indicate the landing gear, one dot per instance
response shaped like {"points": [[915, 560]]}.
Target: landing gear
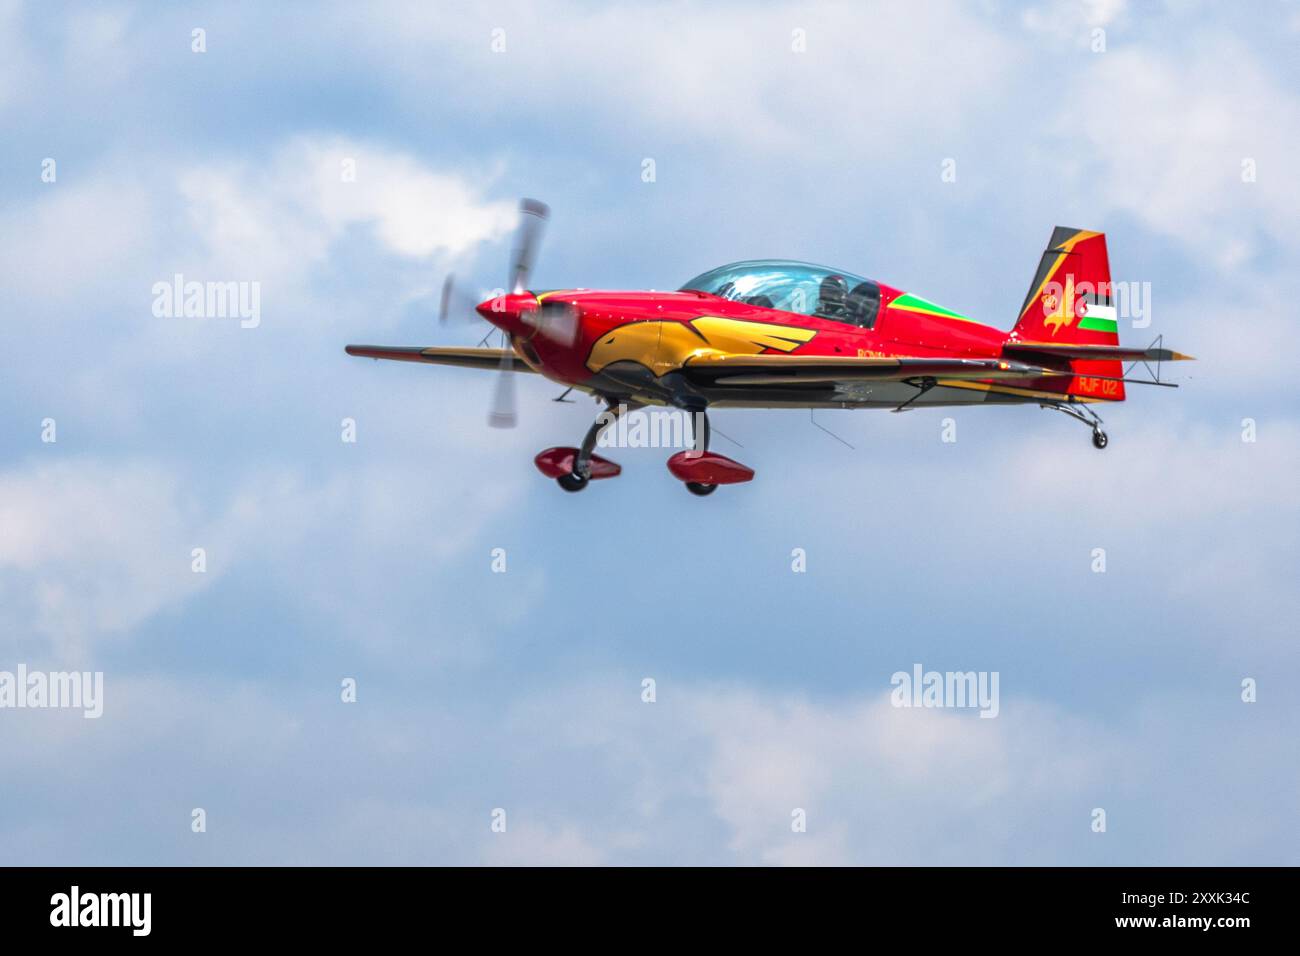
{"points": [[586, 464], [573, 468], [700, 444], [700, 469], [572, 481], [701, 433], [1086, 415]]}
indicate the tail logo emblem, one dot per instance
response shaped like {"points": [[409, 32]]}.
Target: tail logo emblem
{"points": [[1061, 311]]}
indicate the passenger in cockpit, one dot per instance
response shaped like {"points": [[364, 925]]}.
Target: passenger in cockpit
{"points": [[831, 298], [864, 303]]}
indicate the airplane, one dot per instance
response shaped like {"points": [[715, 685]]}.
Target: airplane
{"points": [[784, 334]]}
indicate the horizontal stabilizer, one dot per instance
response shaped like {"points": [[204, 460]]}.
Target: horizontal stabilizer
{"points": [[1063, 350]]}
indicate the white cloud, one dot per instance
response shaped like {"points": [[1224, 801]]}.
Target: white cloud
{"points": [[589, 775], [416, 212], [862, 769], [283, 216], [538, 845], [730, 80], [91, 549], [78, 235], [15, 68], [93, 40], [1166, 473], [273, 220], [1193, 518], [1163, 138], [1073, 20]]}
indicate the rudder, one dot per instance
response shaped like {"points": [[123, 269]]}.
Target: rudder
{"points": [[1071, 300]]}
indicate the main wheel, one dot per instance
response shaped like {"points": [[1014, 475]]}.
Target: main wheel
{"points": [[1099, 439], [572, 481], [700, 488]]}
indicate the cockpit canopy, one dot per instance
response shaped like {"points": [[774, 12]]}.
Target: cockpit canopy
{"points": [[794, 287]]}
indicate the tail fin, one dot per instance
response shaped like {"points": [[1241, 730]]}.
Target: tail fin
{"points": [[1071, 302]]}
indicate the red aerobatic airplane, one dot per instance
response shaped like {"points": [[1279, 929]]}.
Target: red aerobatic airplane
{"points": [[782, 334]]}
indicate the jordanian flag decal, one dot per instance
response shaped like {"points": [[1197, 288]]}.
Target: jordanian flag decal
{"points": [[1097, 318]]}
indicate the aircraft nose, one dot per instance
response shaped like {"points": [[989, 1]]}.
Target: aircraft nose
{"points": [[506, 310]]}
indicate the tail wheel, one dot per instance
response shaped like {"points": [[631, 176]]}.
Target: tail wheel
{"points": [[1099, 438], [699, 488], [572, 482]]}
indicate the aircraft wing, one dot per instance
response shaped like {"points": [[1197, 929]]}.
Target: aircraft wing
{"points": [[463, 357], [772, 369]]}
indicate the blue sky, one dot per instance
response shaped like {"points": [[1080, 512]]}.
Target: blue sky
{"points": [[522, 691]]}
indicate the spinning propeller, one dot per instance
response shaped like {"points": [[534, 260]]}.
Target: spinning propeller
{"points": [[556, 321]]}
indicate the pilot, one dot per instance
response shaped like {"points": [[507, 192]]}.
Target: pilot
{"points": [[863, 304], [830, 299]]}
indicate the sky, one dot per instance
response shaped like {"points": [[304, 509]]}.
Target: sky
{"points": [[501, 717]]}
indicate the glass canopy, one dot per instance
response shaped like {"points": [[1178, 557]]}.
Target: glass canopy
{"points": [[799, 287]]}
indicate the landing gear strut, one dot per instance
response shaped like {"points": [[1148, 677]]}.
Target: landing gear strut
{"points": [[700, 469], [700, 444], [573, 468], [1086, 415], [582, 462]]}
